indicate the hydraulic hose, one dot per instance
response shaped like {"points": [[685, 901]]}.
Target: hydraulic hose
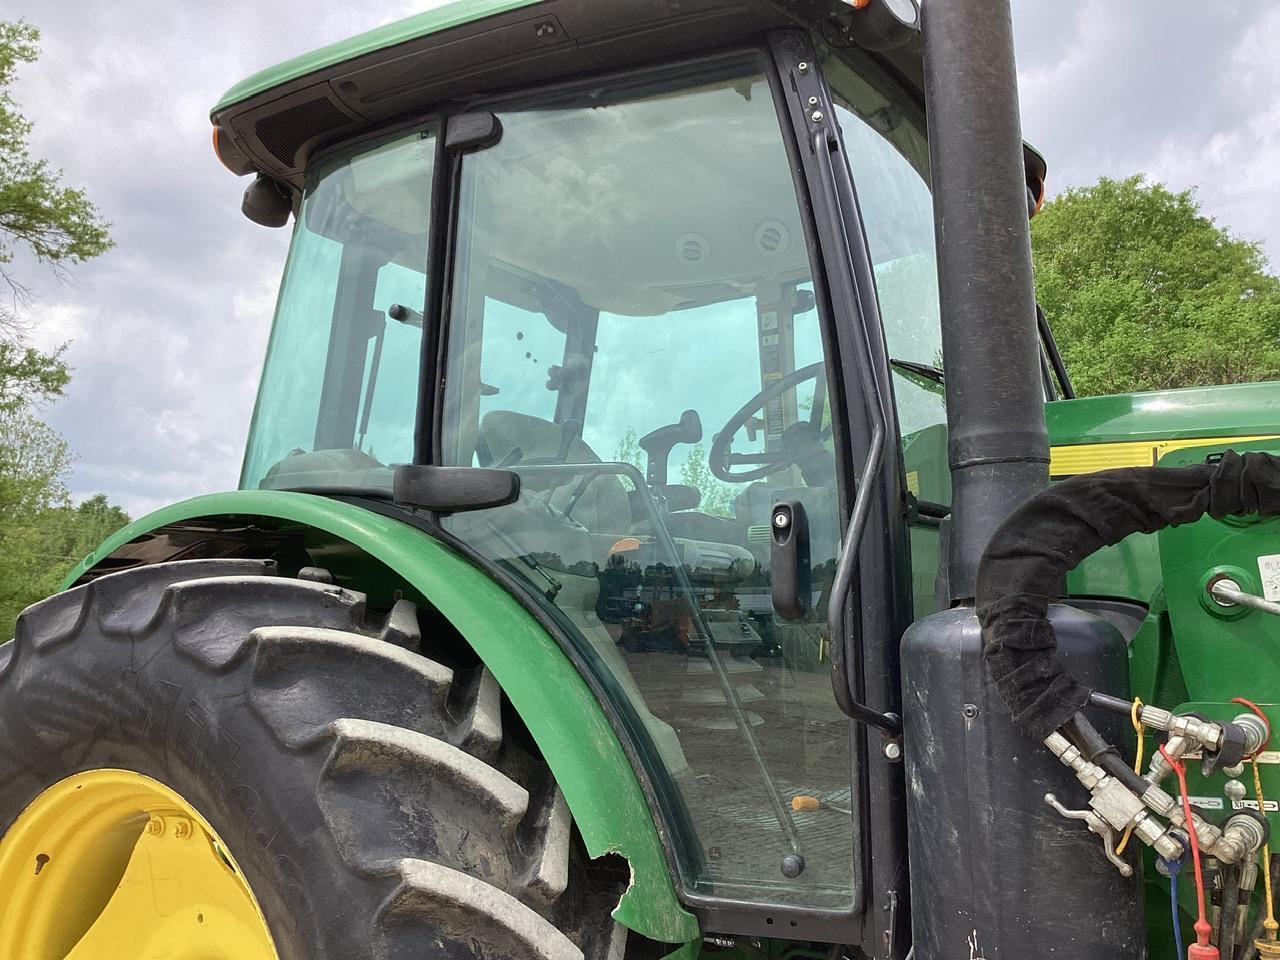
{"points": [[1230, 910], [1051, 533]]}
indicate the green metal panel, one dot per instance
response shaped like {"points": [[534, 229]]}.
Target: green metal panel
{"points": [[411, 28], [1224, 653], [1243, 409], [550, 695], [1130, 570]]}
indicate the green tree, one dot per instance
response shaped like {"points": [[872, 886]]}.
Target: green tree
{"points": [[1146, 292], [717, 497], [41, 533], [33, 459], [54, 223]]}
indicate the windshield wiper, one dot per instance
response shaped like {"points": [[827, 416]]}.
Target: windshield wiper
{"points": [[930, 373]]}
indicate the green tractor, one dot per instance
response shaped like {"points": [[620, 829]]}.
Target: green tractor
{"points": [[615, 573]]}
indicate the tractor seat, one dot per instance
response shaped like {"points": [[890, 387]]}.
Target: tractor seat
{"points": [[601, 504]]}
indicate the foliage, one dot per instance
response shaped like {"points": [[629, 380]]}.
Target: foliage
{"points": [[717, 497], [628, 451], [29, 376], [1145, 292], [42, 535], [55, 224]]}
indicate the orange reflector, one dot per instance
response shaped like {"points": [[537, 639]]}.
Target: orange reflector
{"points": [[228, 154], [803, 804]]}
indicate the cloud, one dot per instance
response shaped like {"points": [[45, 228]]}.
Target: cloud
{"points": [[167, 331], [1165, 89]]}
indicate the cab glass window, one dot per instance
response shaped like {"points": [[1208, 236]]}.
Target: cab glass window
{"points": [[339, 388], [633, 331]]}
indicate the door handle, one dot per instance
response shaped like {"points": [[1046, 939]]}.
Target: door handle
{"points": [[789, 559]]}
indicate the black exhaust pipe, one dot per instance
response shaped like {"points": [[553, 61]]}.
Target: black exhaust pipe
{"points": [[995, 872], [998, 447]]}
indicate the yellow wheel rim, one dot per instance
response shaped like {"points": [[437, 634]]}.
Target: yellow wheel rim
{"points": [[109, 864]]}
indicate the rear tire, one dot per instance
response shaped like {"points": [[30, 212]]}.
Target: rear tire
{"points": [[378, 801]]}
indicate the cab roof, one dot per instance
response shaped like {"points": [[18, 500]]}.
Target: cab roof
{"points": [[419, 25], [273, 121]]}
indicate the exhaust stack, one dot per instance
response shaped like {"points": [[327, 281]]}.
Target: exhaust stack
{"points": [[998, 448], [995, 871]]}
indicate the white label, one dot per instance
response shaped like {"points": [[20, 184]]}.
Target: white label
{"points": [[1272, 806], [769, 320], [1269, 756], [1269, 570]]}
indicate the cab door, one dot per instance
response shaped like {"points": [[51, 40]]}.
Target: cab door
{"points": [[640, 325]]}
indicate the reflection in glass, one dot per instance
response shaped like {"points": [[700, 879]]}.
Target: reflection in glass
{"points": [[632, 282]]}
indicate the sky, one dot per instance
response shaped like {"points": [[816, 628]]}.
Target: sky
{"points": [[166, 332]]}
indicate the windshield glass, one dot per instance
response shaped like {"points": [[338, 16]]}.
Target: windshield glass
{"points": [[634, 332], [339, 387]]}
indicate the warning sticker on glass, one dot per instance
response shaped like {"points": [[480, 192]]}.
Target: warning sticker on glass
{"points": [[1269, 570]]}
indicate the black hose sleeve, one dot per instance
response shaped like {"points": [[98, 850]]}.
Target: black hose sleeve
{"points": [[1249, 949], [1229, 913], [1053, 531]]}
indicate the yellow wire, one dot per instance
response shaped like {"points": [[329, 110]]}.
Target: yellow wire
{"points": [[1137, 763], [1269, 924]]}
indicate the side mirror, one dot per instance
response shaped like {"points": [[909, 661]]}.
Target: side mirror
{"points": [[267, 202]]}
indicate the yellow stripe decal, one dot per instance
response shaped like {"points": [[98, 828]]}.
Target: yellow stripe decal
{"points": [[1067, 461]]}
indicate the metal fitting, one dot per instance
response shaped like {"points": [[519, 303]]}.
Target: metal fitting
{"points": [[1227, 593], [1255, 732], [1116, 804], [1089, 774], [1242, 837], [1204, 732], [1159, 838]]}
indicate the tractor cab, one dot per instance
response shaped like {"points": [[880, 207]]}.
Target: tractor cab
{"points": [[633, 322], [613, 574]]}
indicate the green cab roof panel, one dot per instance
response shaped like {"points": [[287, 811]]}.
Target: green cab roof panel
{"points": [[275, 121], [453, 14]]}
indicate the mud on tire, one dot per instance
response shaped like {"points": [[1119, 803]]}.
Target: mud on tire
{"points": [[380, 802]]}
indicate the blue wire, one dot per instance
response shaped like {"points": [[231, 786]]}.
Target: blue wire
{"points": [[1173, 904]]}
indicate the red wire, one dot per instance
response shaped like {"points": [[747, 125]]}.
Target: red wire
{"points": [[1202, 927], [1261, 716]]}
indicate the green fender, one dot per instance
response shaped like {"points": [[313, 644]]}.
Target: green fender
{"points": [[552, 698]]}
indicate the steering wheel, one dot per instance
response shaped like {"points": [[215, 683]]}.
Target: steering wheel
{"points": [[721, 461]]}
